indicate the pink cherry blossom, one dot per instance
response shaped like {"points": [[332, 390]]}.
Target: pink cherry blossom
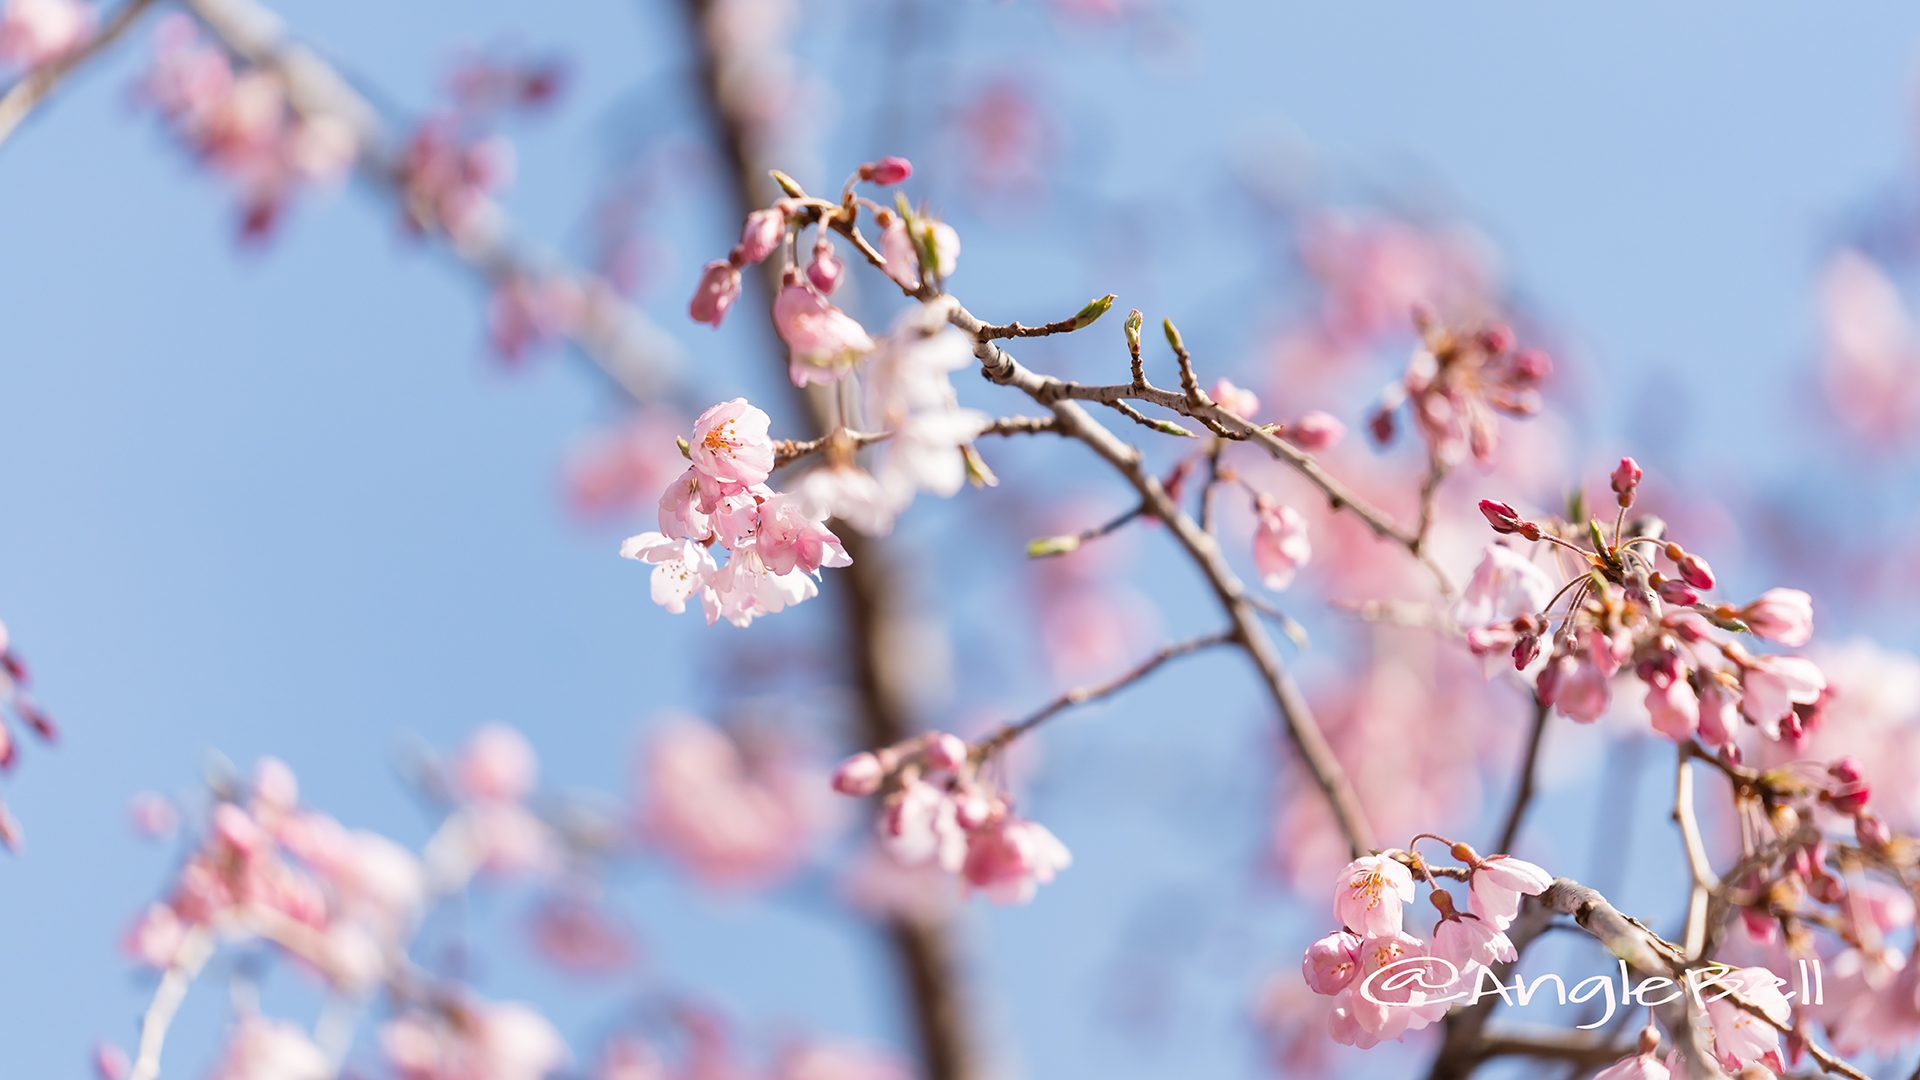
{"points": [[1772, 685], [33, 32], [681, 568], [1370, 894], [1782, 615], [1636, 1067], [1316, 431], [920, 824], [1008, 859], [497, 765], [789, 538], [1240, 402], [1331, 962], [262, 1049], [1505, 584], [730, 443], [1498, 882], [1465, 940], [1675, 709], [730, 814], [860, 774], [1280, 543], [823, 342], [1739, 1037]]}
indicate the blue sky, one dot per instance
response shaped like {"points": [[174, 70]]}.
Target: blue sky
{"points": [[282, 502]]}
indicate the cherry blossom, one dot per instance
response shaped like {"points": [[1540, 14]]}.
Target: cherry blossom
{"points": [[34, 32], [1280, 543], [1371, 893]]}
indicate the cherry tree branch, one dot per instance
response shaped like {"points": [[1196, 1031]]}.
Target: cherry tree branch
{"points": [[615, 336], [1529, 770], [788, 451], [925, 952], [26, 93], [995, 742], [191, 955]]}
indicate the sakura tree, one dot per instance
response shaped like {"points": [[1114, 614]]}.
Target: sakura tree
{"points": [[949, 611]]}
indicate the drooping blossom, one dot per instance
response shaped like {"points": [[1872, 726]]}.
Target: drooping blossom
{"points": [[1739, 1037], [1280, 543], [262, 1049], [1645, 1065], [1497, 883], [1370, 895], [730, 814], [823, 342], [1784, 616], [1009, 858]]}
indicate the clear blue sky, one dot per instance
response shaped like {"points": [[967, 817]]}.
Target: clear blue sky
{"points": [[282, 502]]}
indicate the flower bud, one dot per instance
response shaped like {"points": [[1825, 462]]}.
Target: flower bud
{"points": [[1870, 830], [943, 751], [1504, 519], [825, 271], [888, 170], [1693, 569], [859, 775], [719, 287], [1497, 339], [1316, 431], [1626, 478], [761, 235], [1531, 366], [1673, 590]]}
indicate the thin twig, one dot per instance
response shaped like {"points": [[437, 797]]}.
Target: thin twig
{"points": [[188, 959], [1701, 879], [997, 741]]}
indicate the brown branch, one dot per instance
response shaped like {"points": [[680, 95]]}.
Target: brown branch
{"points": [[787, 451], [1578, 1048], [31, 89], [998, 741], [872, 625], [1296, 717], [1529, 769]]}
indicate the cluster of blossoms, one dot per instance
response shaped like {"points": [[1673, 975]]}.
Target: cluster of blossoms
{"points": [[1456, 383], [776, 544], [14, 698], [1635, 604], [238, 122], [345, 903], [36, 32], [937, 812], [1370, 899]]}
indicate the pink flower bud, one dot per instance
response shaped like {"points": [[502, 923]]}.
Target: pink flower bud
{"points": [[888, 170], [1504, 519], [1870, 830], [1782, 615], [1626, 478], [1240, 402], [826, 269], [1497, 339], [1674, 591], [719, 287], [1316, 431], [944, 751], [1526, 651], [859, 775], [1531, 366], [1693, 569], [1846, 770], [761, 235], [110, 1062]]}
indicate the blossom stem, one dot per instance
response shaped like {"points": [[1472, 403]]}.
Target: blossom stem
{"points": [[998, 741]]}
